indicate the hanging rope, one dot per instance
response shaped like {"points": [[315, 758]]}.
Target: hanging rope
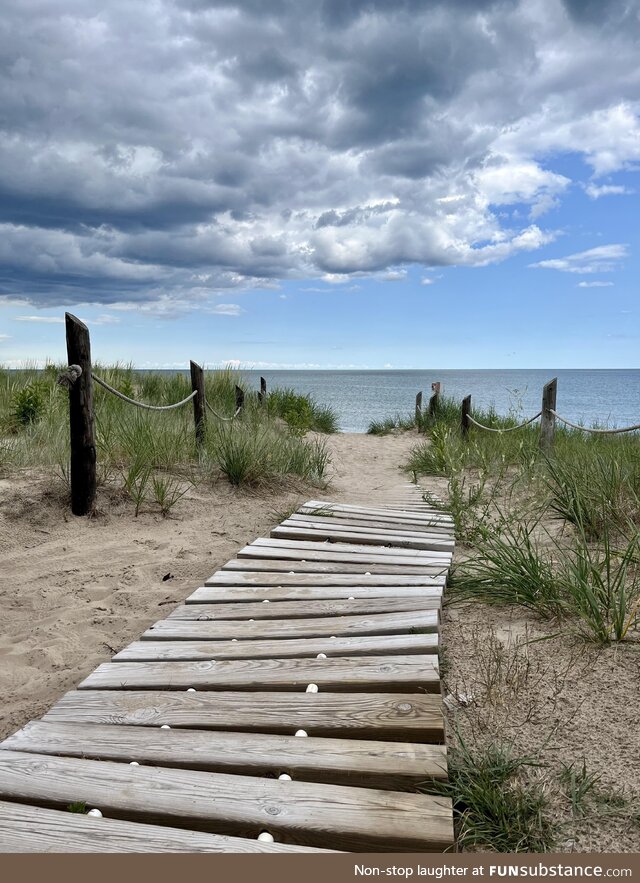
{"points": [[508, 429], [220, 417], [599, 431], [125, 398]]}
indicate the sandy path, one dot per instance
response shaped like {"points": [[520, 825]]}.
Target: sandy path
{"points": [[73, 591]]}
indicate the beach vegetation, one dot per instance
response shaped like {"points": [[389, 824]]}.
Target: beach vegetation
{"points": [[496, 804], [152, 456]]}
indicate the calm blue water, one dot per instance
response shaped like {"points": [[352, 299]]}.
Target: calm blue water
{"points": [[606, 396]]}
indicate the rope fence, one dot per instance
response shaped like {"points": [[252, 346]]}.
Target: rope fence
{"points": [[144, 405], [220, 417], [78, 378], [598, 431], [506, 429], [548, 416]]}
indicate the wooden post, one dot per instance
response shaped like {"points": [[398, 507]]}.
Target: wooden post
{"points": [[548, 420], [199, 413], [466, 410], [418, 408], [262, 395], [433, 401], [81, 419], [239, 398]]}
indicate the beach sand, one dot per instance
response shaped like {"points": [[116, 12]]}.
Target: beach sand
{"points": [[74, 591]]}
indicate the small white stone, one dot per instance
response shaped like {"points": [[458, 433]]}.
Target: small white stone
{"points": [[266, 837], [301, 733], [266, 601], [303, 561], [312, 688], [192, 689], [165, 727], [321, 656], [134, 763], [95, 813], [351, 598], [252, 620], [284, 777], [332, 638], [233, 640], [292, 573], [367, 573]]}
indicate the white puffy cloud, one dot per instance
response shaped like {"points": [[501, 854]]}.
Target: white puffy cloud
{"points": [[595, 284], [595, 191], [602, 259], [155, 155]]}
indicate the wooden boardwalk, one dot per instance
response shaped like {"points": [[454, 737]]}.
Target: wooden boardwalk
{"points": [[291, 704]]}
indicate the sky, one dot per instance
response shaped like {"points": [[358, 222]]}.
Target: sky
{"points": [[321, 183]]}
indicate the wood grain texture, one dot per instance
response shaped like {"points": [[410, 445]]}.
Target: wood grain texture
{"points": [[277, 588], [393, 555], [402, 674], [378, 645], [294, 567], [267, 609], [303, 552], [307, 813], [360, 536], [34, 829], [409, 718], [390, 765], [345, 626], [350, 521], [428, 513]]}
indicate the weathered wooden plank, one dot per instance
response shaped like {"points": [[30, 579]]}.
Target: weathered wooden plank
{"points": [[439, 534], [255, 582], [303, 552], [338, 519], [375, 624], [402, 674], [267, 609], [388, 555], [34, 829], [361, 537], [433, 514], [301, 812], [391, 765], [373, 521], [407, 717], [377, 645], [300, 568]]}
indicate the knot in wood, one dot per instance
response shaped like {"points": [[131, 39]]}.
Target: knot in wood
{"points": [[273, 810], [404, 707]]}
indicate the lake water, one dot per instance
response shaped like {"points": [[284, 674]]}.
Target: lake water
{"points": [[609, 396]]}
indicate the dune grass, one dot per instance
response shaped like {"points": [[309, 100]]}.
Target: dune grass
{"points": [[152, 456], [496, 806], [503, 491]]}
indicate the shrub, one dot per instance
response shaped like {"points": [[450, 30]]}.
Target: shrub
{"points": [[301, 412], [28, 404]]}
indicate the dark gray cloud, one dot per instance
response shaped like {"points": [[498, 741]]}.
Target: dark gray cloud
{"points": [[164, 152]]}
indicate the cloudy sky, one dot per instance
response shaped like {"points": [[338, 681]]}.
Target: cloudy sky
{"points": [[322, 183]]}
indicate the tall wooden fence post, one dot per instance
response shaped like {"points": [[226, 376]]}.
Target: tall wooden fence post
{"points": [[81, 419], [262, 395], [199, 413], [239, 398], [465, 423], [418, 409], [548, 420], [434, 400]]}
